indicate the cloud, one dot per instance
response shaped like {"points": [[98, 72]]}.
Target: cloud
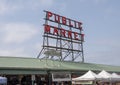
{"points": [[18, 39], [10, 7], [19, 52], [3, 8], [18, 32], [33, 4], [6, 8]]}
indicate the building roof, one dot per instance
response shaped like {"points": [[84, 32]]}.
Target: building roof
{"points": [[37, 66]]}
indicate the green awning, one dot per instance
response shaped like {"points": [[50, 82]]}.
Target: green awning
{"points": [[17, 65], [21, 71]]}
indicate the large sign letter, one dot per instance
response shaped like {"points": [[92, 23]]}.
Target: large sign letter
{"points": [[47, 29], [49, 14]]}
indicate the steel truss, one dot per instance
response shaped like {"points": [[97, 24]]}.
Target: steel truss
{"points": [[61, 48]]}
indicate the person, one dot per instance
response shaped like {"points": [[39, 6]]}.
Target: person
{"points": [[62, 83], [97, 83]]}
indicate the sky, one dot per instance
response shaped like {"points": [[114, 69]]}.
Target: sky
{"points": [[21, 27]]}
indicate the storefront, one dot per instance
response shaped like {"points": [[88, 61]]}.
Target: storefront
{"points": [[61, 78], [39, 79], [33, 71]]}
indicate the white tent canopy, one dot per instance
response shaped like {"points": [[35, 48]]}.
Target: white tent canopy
{"points": [[105, 75], [91, 77], [87, 76], [3, 80], [115, 77], [109, 77]]}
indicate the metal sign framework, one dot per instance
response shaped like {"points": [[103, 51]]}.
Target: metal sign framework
{"points": [[63, 40]]}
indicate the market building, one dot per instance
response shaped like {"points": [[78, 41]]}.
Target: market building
{"points": [[28, 71]]}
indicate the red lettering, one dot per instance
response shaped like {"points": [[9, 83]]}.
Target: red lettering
{"points": [[75, 35], [55, 32], [57, 18], [82, 37], [75, 24], [47, 29], [64, 20], [79, 25], [80, 28], [70, 23], [69, 34], [49, 14], [63, 32]]}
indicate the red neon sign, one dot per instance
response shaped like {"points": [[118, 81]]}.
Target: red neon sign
{"points": [[61, 31], [63, 20]]}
